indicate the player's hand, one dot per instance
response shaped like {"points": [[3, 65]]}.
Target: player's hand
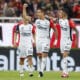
{"points": [[15, 46], [55, 43], [25, 5]]}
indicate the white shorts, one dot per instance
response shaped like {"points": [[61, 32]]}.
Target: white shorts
{"points": [[25, 50], [42, 46], [65, 45]]}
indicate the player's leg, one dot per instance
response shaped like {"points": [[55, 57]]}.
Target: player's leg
{"points": [[39, 54], [22, 57], [43, 64], [39, 58], [65, 49], [64, 64], [45, 50], [29, 54], [21, 71], [30, 65]]}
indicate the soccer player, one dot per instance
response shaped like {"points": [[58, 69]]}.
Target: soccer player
{"points": [[66, 26], [42, 38], [42, 33], [26, 31]]}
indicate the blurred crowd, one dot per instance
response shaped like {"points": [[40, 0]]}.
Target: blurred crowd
{"points": [[13, 8]]}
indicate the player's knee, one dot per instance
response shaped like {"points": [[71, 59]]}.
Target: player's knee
{"points": [[65, 54], [29, 58], [39, 55], [45, 55], [21, 61]]}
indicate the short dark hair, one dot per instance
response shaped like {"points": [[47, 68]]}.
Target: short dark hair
{"points": [[64, 10], [42, 9]]}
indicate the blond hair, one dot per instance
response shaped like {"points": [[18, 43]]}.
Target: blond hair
{"points": [[65, 15]]}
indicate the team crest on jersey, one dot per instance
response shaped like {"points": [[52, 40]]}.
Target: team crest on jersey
{"points": [[38, 22]]}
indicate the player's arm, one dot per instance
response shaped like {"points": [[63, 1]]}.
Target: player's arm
{"points": [[16, 32], [73, 26], [24, 10], [34, 35], [76, 36], [15, 37], [25, 15], [53, 26]]}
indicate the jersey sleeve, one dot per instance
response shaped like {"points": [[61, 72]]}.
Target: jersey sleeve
{"points": [[14, 28], [33, 29], [36, 22], [72, 23], [17, 28], [51, 24]]}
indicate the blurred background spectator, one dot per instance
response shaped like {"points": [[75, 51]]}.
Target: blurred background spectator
{"points": [[11, 8], [76, 9], [8, 9]]}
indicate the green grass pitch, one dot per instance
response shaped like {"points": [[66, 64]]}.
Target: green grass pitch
{"points": [[14, 75]]}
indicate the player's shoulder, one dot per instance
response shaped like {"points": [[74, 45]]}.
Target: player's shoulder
{"points": [[29, 24], [20, 22], [47, 20], [21, 25], [60, 20], [66, 20], [37, 20]]}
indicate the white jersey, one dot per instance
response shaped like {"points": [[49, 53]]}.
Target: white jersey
{"points": [[42, 28], [42, 35], [65, 29], [25, 44], [25, 33], [65, 42]]}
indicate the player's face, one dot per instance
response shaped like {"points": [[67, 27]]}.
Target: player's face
{"points": [[39, 13], [27, 19], [60, 13]]}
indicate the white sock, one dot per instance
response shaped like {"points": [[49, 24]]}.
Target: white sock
{"points": [[64, 65], [31, 69], [43, 64], [39, 64], [21, 70]]}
